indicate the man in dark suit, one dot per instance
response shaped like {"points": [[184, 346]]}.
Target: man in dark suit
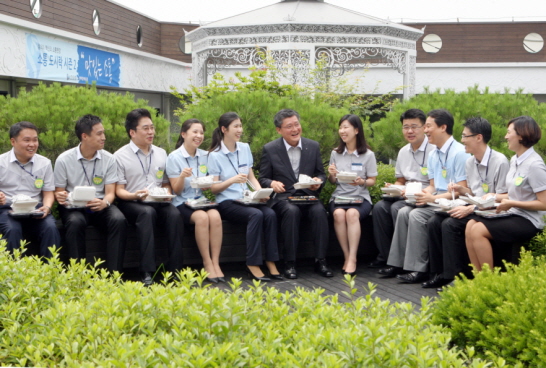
{"points": [[283, 160]]}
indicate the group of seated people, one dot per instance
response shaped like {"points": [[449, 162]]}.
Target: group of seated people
{"points": [[414, 242], [419, 244]]}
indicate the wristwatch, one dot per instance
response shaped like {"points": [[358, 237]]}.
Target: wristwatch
{"points": [[107, 203]]}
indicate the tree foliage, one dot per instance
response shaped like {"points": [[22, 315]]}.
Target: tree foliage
{"points": [[497, 108], [54, 109]]}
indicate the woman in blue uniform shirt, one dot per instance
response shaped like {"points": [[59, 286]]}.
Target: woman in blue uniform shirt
{"points": [[230, 161]]}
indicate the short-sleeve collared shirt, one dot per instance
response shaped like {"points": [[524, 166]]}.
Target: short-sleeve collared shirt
{"points": [[180, 159], [364, 165], [72, 170], [447, 163], [226, 164], [489, 175], [137, 170], [412, 165], [30, 179], [526, 177]]}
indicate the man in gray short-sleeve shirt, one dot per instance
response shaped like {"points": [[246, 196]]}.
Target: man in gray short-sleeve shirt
{"points": [[28, 173], [141, 166], [90, 165], [411, 165]]}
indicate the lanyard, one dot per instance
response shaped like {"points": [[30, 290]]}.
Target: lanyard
{"points": [[25, 170], [234, 168], [486, 170], [146, 173], [196, 166], [447, 156], [424, 155], [85, 171]]}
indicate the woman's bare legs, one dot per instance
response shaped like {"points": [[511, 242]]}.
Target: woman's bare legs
{"points": [[478, 244], [202, 238], [353, 236], [340, 226], [215, 238]]}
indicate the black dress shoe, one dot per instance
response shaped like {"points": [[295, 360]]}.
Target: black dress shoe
{"points": [[390, 271], [349, 273], [290, 271], [276, 277], [213, 280], [377, 264], [412, 277], [435, 282], [147, 279], [321, 267]]}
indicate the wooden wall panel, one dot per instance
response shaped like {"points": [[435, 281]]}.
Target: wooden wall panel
{"points": [[481, 43], [170, 38]]}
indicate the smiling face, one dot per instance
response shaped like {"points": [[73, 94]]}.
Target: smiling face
{"points": [[290, 130], [433, 131], [194, 136], [234, 131], [144, 133], [25, 145], [470, 140], [95, 139], [347, 132], [413, 130], [512, 138]]}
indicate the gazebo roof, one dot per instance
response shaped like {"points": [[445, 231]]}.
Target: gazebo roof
{"points": [[307, 12]]}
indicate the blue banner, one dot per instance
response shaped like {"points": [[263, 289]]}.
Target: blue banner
{"points": [[56, 60], [51, 59], [98, 66]]}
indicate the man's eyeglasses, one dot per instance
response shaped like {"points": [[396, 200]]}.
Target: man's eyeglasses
{"points": [[147, 128], [468, 136], [411, 127]]}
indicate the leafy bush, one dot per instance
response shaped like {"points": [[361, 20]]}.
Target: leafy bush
{"points": [[54, 109], [258, 108], [500, 313], [498, 108], [537, 245], [81, 316]]}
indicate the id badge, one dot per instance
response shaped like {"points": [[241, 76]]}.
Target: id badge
{"points": [[39, 183], [356, 166], [243, 169], [518, 181], [159, 173], [203, 169], [444, 173], [485, 188], [97, 180], [424, 171]]}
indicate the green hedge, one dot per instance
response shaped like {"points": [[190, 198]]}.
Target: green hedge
{"points": [[500, 313], [79, 316], [54, 109], [498, 108]]}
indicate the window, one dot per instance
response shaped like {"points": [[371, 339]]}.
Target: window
{"points": [[139, 36], [96, 22], [533, 43], [184, 45], [36, 8], [432, 43]]}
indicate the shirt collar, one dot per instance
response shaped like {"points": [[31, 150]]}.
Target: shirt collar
{"points": [[485, 158], [225, 150], [80, 157], [527, 153], [422, 147], [135, 148], [288, 146], [355, 152], [185, 153], [446, 145], [13, 158]]}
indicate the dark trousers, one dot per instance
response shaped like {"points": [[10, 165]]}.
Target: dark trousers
{"points": [[110, 220], [45, 230], [384, 217], [290, 217], [446, 245], [149, 218], [261, 223]]}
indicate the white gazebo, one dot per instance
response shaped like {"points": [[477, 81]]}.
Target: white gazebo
{"points": [[301, 32]]}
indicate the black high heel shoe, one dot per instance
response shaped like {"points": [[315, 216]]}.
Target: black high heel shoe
{"points": [[221, 279], [213, 280], [254, 277], [276, 277]]}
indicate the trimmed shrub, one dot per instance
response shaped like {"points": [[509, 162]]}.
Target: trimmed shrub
{"points": [[54, 109], [258, 108], [500, 313], [81, 316], [498, 108]]}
